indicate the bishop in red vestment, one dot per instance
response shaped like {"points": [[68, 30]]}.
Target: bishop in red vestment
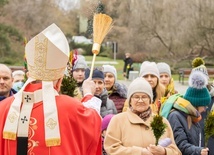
{"points": [[39, 121], [80, 128]]}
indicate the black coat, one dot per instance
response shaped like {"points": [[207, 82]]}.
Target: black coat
{"points": [[127, 62]]}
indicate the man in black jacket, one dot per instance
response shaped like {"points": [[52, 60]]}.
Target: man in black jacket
{"points": [[127, 65]]}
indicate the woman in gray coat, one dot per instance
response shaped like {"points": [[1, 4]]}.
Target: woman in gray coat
{"points": [[107, 106]]}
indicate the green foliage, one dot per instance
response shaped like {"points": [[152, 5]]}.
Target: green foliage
{"points": [[86, 47], [89, 30], [99, 9], [104, 51], [68, 86], [197, 62], [158, 127], [209, 127], [7, 60], [118, 65], [11, 32], [9, 37], [3, 2], [5, 44]]}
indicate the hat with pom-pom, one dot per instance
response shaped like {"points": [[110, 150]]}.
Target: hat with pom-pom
{"points": [[197, 92], [197, 62], [202, 69]]}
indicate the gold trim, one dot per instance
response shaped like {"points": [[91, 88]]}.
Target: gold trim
{"points": [[53, 142], [9, 135]]}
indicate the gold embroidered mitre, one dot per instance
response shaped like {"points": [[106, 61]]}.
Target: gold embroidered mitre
{"points": [[47, 47]]}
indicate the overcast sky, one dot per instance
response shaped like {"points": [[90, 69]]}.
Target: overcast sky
{"points": [[68, 4]]}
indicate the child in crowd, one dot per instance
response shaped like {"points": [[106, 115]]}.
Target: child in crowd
{"points": [[166, 78], [78, 73], [105, 123]]}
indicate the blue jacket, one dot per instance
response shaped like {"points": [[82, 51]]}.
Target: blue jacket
{"points": [[187, 140]]}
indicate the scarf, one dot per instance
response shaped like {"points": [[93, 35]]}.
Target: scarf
{"points": [[177, 102], [186, 107], [143, 115]]}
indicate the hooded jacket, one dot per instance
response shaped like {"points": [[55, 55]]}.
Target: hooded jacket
{"points": [[107, 106]]}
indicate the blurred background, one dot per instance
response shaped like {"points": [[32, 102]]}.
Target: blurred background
{"points": [[171, 31]]}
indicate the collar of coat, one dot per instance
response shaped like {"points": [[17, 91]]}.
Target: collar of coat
{"points": [[135, 119]]}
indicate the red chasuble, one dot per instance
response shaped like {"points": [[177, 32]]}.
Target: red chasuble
{"points": [[80, 128]]}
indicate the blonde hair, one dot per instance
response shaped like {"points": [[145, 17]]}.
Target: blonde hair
{"points": [[156, 104], [160, 91]]}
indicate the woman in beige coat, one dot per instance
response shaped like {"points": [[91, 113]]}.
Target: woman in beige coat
{"points": [[130, 133]]}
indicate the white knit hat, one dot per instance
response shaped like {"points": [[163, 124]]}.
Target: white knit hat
{"points": [[148, 67], [18, 72], [42, 51], [139, 85], [164, 68], [110, 69], [80, 63]]}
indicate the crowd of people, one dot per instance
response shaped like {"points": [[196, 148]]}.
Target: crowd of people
{"points": [[105, 116]]}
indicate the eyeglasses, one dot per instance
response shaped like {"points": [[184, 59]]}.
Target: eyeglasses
{"points": [[143, 98]]}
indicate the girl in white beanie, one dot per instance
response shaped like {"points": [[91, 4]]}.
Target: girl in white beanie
{"points": [[166, 78], [150, 72]]}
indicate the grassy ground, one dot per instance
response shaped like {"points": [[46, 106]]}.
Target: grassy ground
{"points": [[119, 65]]}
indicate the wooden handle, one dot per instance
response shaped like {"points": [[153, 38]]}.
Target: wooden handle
{"points": [[92, 66]]}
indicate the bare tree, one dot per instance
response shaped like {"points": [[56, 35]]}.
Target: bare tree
{"points": [[166, 30]]}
